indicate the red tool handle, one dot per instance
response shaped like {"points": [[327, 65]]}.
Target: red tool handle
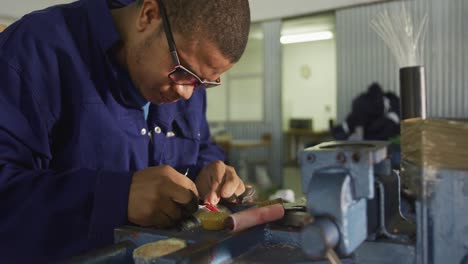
{"points": [[211, 207], [254, 216]]}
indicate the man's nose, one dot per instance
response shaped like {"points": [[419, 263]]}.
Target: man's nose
{"points": [[184, 91]]}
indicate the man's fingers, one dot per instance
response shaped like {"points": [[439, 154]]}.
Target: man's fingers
{"points": [[159, 195], [240, 188], [212, 198], [216, 172], [172, 210], [185, 182], [232, 184], [178, 193], [162, 220], [179, 188]]}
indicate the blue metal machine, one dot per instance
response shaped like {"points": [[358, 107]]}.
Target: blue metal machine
{"points": [[354, 195], [355, 198]]}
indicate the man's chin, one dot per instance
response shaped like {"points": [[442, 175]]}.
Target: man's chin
{"points": [[162, 101]]}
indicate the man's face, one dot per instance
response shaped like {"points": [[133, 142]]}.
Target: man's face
{"points": [[149, 63]]}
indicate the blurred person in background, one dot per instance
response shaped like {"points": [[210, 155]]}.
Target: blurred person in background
{"points": [[375, 115]]}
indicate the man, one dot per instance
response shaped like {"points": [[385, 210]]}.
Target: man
{"points": [[375, 115], [102, 120]]}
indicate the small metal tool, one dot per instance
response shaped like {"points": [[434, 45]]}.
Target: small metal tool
{"points": [[245, 197]]}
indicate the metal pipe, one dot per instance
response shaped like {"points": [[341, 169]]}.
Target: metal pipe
{"points": [[413, 92]]}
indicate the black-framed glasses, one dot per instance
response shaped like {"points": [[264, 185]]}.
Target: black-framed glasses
{"points": [[180, 74]]}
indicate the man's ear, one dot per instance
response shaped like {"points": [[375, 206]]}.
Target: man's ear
{"points": [[148, 17]]}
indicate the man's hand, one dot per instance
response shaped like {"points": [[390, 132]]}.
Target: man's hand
{"points": [[156, 194], [217, 180]]}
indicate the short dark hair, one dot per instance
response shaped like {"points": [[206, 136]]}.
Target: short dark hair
{"points": [[224, 22]]}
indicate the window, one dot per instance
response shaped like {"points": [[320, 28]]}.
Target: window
{"points": [[241, 96]]}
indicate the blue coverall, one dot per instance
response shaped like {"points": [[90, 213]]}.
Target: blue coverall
{"points": [[73, 130]]}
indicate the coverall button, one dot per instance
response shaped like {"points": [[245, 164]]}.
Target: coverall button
{"points": [[143, 131], [157, 130]]}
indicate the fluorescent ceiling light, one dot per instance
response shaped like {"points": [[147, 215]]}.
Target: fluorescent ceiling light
{"points": [[315, 36]]}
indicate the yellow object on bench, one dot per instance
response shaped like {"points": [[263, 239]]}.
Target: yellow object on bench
{"points": [[213, 220], [148, 253]]}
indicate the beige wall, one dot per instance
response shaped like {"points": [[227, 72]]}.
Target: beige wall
{"points": [[12, 10], [309, 82]]}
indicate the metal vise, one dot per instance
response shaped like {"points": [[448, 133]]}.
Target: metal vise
{"points": [[340, 180]]}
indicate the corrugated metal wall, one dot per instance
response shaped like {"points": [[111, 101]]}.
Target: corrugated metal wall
{"points": [[272, 81], [363, 57]]}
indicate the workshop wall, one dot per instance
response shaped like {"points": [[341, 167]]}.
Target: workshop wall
{"points": [[240, 98], [11, 10], [363, 57], [309, 82], [269, 67], [276, 9], [261, 10]]}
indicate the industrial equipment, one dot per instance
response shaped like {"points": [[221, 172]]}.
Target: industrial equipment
{"points": [[353, 211], [352, 197]]}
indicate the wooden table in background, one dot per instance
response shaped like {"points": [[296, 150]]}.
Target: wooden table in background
{"points": [[239, 144], [294, 136]]}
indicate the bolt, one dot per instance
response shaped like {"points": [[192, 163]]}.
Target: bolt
{"points": [[356, 157], [311, 158], [341, 157]]}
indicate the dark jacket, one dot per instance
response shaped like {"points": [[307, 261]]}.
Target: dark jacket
{"points": [[378, 113], [71, 134]]}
